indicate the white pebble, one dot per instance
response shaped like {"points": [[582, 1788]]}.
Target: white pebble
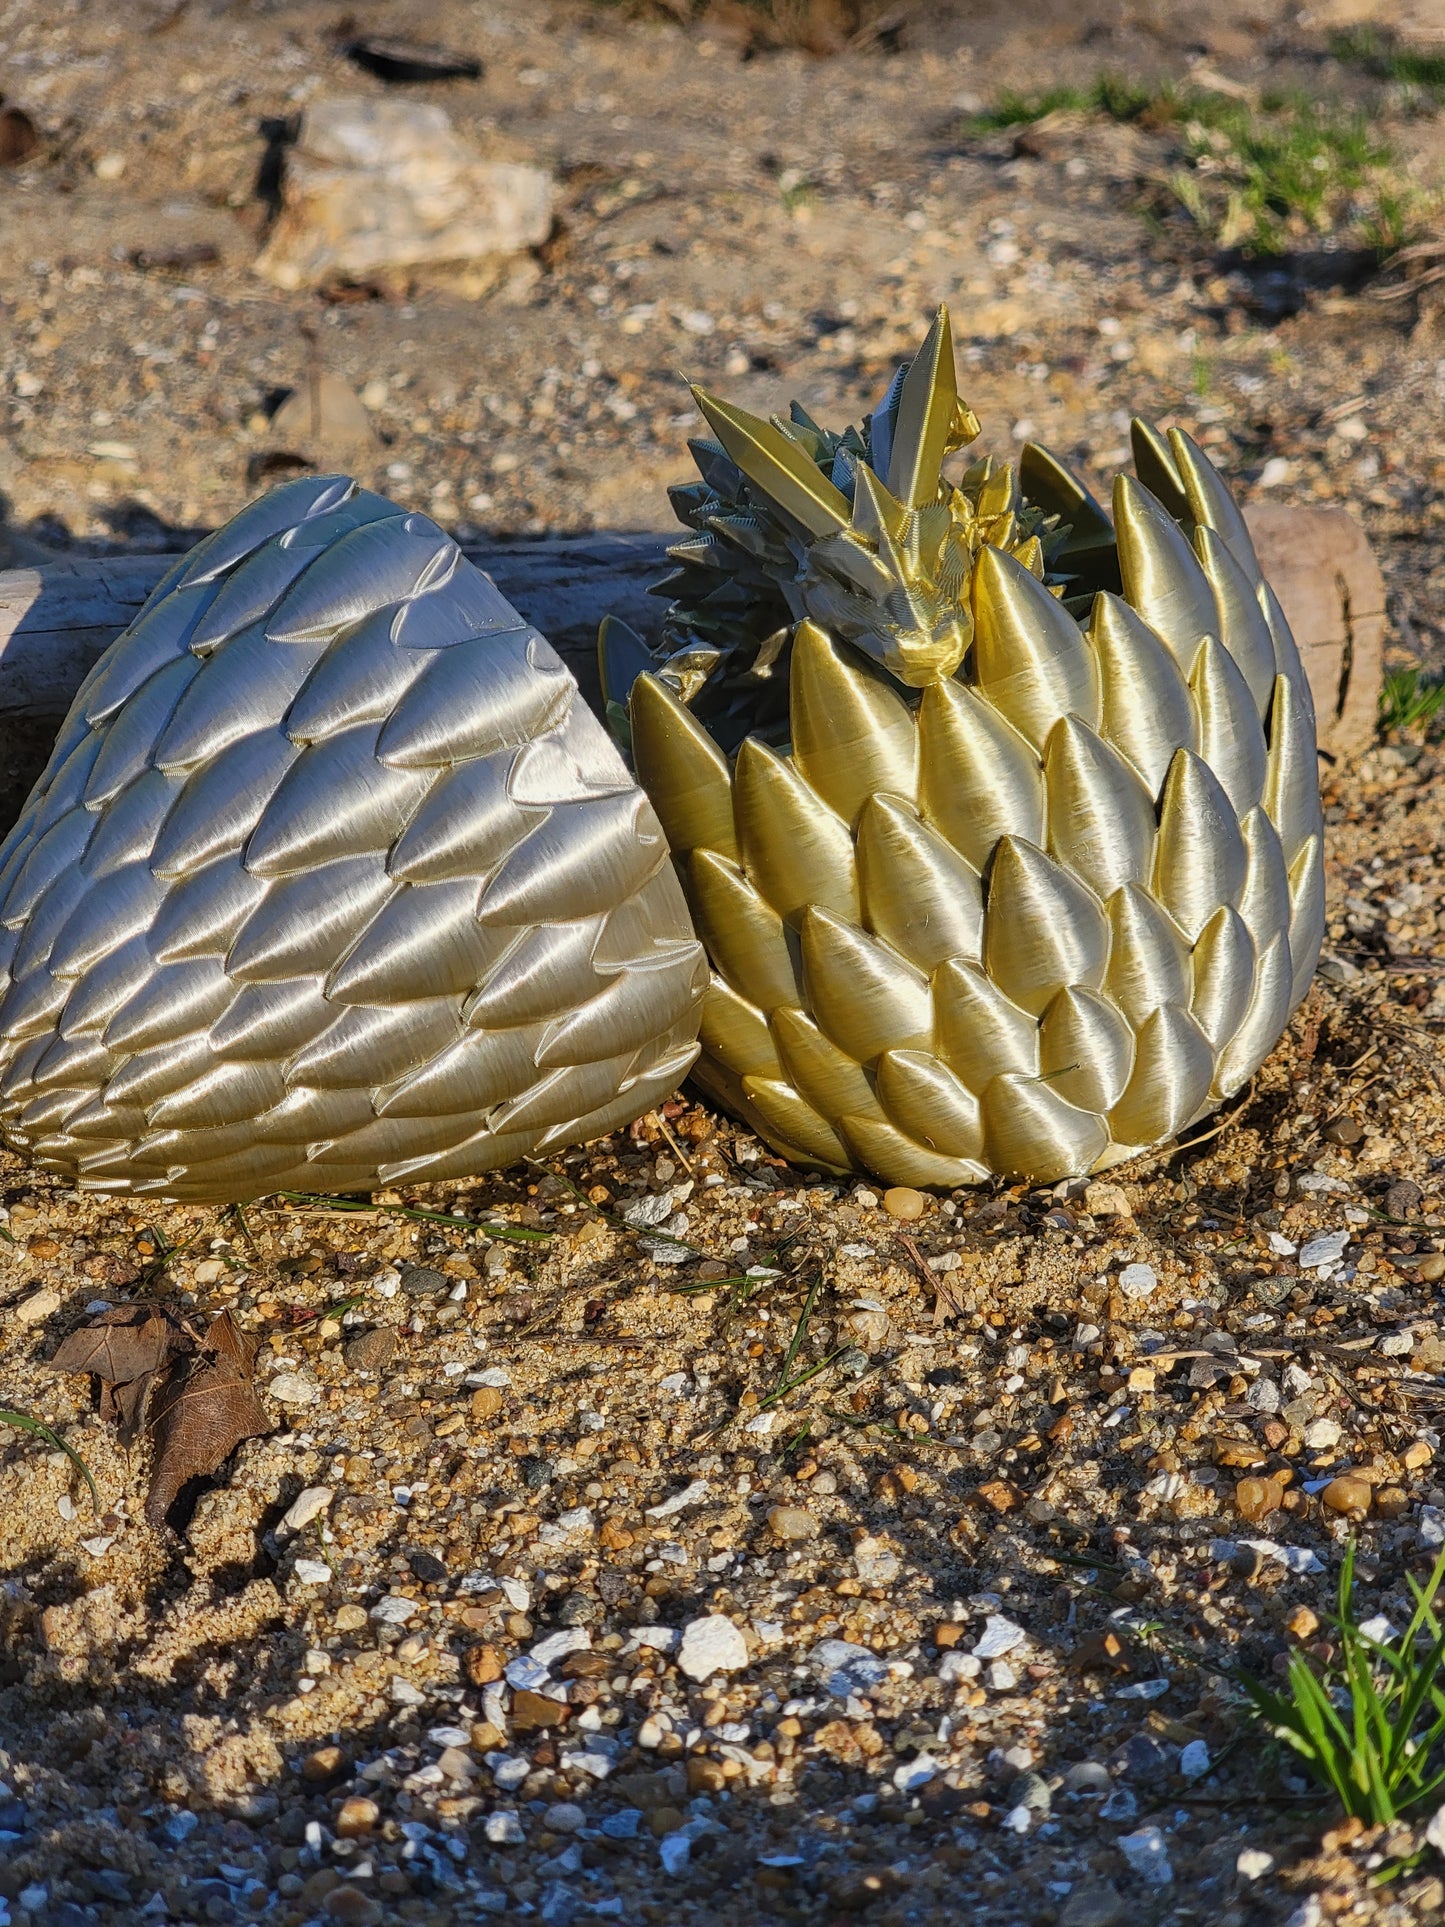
{"points": [[393, 1610], [1253, 1863], [1327, 1249], [504, 1829], [314, 1572], [711, 1645], [306, 1506], [292, 1389], [1147, 1855], [1194, 1760], [1000, 1636], [1138, 1281]]}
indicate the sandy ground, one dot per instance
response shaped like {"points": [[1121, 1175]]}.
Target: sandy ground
{"points": [[1027, 1484]]}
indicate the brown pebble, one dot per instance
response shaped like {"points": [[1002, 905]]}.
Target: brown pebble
{"points": [[947, 1634], [482, 1665], [665, 1820], [487, 1738], [1302, 1623], [904, 1203], [1257, 1498], [1391, 1501], [350, 1618], [1343, 1130], [704, 1775], [1432, 1267], [1349, 1496], [531, 1711], [357, 1816], [326, 1763], [350, 1904], [1416, 1455], [486, 1401]]}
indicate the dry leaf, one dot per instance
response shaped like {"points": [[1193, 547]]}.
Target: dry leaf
{"points": [[202, 1412], [122, 1343]]}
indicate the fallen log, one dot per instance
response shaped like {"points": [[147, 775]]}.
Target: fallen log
{"points": [[56, 619]]}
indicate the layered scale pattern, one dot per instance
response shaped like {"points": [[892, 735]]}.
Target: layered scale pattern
{"points": [[1031, 877], [332, 880]]}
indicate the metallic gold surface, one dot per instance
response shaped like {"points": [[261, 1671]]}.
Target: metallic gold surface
{"points": [[999, 819], [333, 880]]}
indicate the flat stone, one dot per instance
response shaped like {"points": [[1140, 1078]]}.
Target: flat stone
{"points": [[306, 1506], [371, 1351], [791, 1523], [292, 1389], [711, 1645], [533, 1711], [39, 1306]]}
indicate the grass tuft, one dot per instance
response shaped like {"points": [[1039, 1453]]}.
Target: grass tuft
{"points": [[38, 1429], [1369, 1722], [1261, 176], [1367, 47], [1410, 699]]}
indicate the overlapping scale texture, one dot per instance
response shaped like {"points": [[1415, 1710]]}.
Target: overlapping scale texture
{"points": [[333, 881], [1037, 911]]}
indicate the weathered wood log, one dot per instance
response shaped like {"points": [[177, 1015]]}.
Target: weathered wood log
{"points": [[1326, 576], [55, 620]]}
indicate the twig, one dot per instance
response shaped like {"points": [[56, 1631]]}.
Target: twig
{"points": [[520, 1234]]}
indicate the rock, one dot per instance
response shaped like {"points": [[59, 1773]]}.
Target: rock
{"points": [[325, 1764], [373, 185], [39, 1306], [564, 1817], [1321, 1434], [292, 1389], [1432, 1267], [1147, 1855], [1093, 1906], [791, 1523], [711, 1645], [324, 419], [1348, 1496], [357, 1816], [371, 1351], [904, 1203], [1252, 1863], [306, 1506], [1000, 1636], [1107, 1201], [350, 1619], [482, 1665], [456, 1763], [1138, 1281], [486, 1401], [875, 1562], [533, 1711], [394, 1610], [1255, 1499], [351, 1905]]}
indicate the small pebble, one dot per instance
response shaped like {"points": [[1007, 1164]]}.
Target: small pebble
{"points": [[371, 1351], [357, 1816], [711, 1645], [306, 1506], [1138, 1281], [791, 1523], [292, 1389], [350, 1905], [1348, 1496], [1252, 1863], [904, 1203], [39, 1306], [1432, 1267]]}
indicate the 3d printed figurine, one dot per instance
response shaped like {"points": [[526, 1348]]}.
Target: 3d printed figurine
{"points": [[999, 821], [332, 880]]}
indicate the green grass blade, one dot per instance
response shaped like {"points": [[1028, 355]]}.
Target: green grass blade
{"points": [[23, 1422]]}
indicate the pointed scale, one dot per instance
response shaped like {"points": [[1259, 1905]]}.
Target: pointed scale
{"points": [[1286, 651], [921, 1097], [736, 1033], [775, 464], [1148, 957], [1146, 710], [830, 1080], [1154, 465], [1041, 928], [1032, 1132], [1230, 738], [1211, 505], [1199, 858], [879, 1146], [926, 405], [744, 936], [1173, 1069], [918, 893], [792, 1126], [1100, 816], [1088, 556], [1292, 787], [1160, 572], [862, 993], [852, 733], [1266, 1017], [1241, 626], [1307, 924], [1223, 971], [980, 1032], [1086, 1050], [682, 770], [1264, 902], [1030, 657], [794, 849], [978, 779]]}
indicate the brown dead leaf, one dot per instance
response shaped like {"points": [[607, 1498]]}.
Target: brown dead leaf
{"points": [[201, 1413], [122, 1343]]}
